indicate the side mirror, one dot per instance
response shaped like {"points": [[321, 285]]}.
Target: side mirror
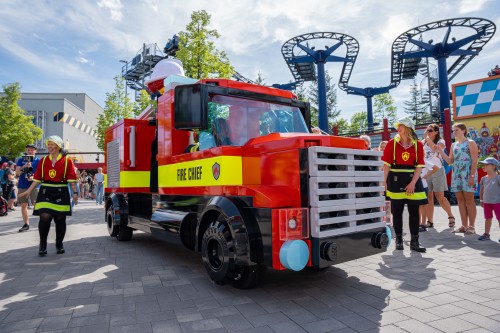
{"points": [[191, 107]]}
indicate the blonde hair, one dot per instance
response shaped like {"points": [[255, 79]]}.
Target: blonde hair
{"points": [[408, 133]]}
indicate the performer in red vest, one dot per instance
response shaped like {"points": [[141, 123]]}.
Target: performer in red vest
{"points": [[53, 174]]}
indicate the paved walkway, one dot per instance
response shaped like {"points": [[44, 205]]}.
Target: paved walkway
{"points": [[102, 285]]}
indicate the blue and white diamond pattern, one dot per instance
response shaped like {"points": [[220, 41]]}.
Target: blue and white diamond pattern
{"points": [[478, 98]]}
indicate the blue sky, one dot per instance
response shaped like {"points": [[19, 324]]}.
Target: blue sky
{"points": [[75, 46]]}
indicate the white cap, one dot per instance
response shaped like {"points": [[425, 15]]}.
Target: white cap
{"points": [[406, 122], [55, 139]]}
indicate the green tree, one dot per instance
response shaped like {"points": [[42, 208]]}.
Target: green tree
{"points": [[331, 101], [117, 106], [301, 92], [18, 130], [358, 122], [260, 79], [197, 50], [342, 125], [416, 108], [383, 107], [143, 102]]}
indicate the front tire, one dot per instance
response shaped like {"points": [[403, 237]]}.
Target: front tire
{"points": [[216, 251]]}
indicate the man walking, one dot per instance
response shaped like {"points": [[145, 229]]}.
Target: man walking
{"points": [[26, 167]]}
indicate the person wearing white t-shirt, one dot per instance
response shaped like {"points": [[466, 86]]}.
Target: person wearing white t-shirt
{"points": [[437, 183], [429, 170], [99, 186]]}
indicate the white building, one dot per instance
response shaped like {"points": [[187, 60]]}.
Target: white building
{"points": [[73, 117]]}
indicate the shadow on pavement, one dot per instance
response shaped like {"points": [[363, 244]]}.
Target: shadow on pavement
{"points": [[101, 283]]}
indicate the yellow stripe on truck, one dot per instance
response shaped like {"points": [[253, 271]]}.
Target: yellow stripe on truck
{"points": [[214, 171], [134, 178]]}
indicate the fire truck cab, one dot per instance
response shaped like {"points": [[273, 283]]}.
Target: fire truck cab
{"points": [[231, 170]]}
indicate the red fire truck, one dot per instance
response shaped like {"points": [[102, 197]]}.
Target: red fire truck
{"points": [[231, 170]]}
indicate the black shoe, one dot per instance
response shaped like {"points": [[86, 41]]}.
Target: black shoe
{"points": [[42, 251], [421, 228], [415, 245], [399, 242], [25, 227], [60, 249]]}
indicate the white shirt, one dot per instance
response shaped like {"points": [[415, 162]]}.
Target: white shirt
{"points": [[433, 156]]}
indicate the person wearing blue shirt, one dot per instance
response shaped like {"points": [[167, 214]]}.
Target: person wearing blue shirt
{"points": [[25, 168]]}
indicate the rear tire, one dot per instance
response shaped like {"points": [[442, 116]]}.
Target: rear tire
{"points": [[110, 220], [124, 234]]}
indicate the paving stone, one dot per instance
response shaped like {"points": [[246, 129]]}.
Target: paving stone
{"points": [[53, 323], [234, 323], [262, 329], [325, 325], [97, 328], [122, 319], [20, 325], [200, 325], [143, 328], [19, 314], [188, 314], [250, 309], [482, 321], [387, 318], [85, 310], [89, 320], [452, 325], [166, 326], [478, 330]]}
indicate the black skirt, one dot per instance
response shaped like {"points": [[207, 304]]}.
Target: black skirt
{"points": [[53, 199], [399, 177]]}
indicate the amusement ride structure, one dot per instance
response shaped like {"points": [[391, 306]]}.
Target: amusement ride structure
{"points": [[307, 63], [405, 63], [302, 65]]}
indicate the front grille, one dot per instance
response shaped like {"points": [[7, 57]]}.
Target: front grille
{"points": [[345, 190], [113, 163]]}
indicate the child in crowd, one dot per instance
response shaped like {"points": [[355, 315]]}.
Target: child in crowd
{"points": [[489, 195]]}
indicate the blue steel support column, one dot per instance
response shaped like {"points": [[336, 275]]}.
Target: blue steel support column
{"points": [[322, 112], [369, 112], [444, 89]]}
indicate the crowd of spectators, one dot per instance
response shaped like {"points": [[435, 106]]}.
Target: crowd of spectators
{"points": [[14, 181]]}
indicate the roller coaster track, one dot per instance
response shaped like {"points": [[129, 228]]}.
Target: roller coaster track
{"points": [[306, 71], [402, 68]]}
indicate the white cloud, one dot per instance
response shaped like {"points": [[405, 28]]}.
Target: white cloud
{"points": [[114, 7], [66, 39], [469, 6]]}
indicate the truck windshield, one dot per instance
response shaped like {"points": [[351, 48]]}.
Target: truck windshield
{"points": [[233, 121]]}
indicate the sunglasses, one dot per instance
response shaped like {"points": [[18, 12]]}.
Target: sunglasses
{"points": [[430, 131]]}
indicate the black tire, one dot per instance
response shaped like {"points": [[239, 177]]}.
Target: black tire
{"points": [[110, 219], [218, 257], [216, 252], [249, 277], [124, 234]]}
